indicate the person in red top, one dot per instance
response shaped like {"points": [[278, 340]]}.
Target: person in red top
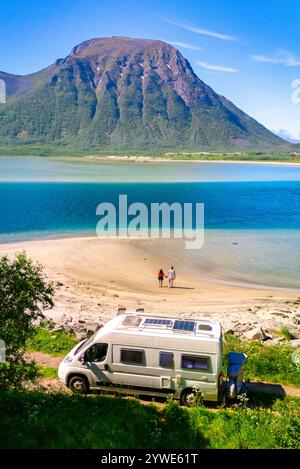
{"points": [[161, 275]]}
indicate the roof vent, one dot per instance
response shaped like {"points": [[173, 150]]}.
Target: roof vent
{"points": [[131, 321], [204, 327]]}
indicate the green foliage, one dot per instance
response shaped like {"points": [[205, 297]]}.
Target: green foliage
{"points": [[266, 362], [47, 372], [286, 333], [53, 343], [23, 294], [246, 428], [56, 420], [149, 105]]}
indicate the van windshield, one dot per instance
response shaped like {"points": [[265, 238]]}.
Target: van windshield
{"points": [[85, 343]]}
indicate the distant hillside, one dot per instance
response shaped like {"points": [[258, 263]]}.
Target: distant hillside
{"points": [[126, 94]]}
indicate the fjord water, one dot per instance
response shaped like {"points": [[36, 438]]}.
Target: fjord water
{"points": [[252, 212]]}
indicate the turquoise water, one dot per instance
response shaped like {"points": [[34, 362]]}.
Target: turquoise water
{"points": [[254, 209], [47, 170]]}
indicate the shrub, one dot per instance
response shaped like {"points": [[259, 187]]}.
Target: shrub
{"points": [[23, 294]]}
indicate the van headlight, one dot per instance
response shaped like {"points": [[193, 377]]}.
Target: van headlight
{"points": [[68, 359]]}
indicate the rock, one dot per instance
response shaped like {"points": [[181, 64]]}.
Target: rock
{"points": [[295, 343], [91, 327], [59, 284], [282, 315], [81, 335], [58, 328], [256, 334], [68, 328], [229, 331]]}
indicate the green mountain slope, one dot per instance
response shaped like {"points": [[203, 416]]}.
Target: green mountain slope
{"points": [[125, 94]]}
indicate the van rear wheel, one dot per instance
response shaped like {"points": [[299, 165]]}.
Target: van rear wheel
{"points": [[79, 384], [188, 398]]}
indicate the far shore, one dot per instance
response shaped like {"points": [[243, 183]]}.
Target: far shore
{"points": [[141, 159], [95, 277], [146, 159], [154, 159]]}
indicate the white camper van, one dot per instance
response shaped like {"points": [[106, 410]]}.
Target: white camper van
{"points": [[149, 355]]}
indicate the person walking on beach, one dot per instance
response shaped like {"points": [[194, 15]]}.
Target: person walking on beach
{"points": [[161, 275], [172, 276]]}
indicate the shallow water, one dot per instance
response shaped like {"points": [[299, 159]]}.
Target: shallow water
{"points": [[46, 169], [252, 212]]}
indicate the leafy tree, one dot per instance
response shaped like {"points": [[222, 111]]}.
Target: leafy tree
{"points": [[24, 293]]}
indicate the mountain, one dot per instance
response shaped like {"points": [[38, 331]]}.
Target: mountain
{"points": [[125, 94]]}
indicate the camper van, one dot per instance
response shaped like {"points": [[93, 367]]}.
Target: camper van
{"points": [[149, 355]]}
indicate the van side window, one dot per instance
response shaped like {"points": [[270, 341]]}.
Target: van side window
{"points": [[96, 353], [166, 359], [133, 357], [195, 362]]}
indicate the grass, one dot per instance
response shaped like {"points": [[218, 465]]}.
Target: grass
{"points": [[47, 372], [68, 152], [286, 333], [57, 343], [54, 420], [265, 362]]}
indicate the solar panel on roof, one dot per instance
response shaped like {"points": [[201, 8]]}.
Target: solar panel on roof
{"points": [[188, 326], [158, 322]]}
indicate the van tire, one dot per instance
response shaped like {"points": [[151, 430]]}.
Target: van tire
{"points": [[78, 384], [188, 398]]}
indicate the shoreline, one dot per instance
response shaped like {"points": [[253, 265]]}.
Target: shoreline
{"points": [[94, 277], [147, 159], [203, 275], [151, 159]]}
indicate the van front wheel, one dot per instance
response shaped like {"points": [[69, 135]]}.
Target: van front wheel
{"points": [[188, 398], [78, 384]]}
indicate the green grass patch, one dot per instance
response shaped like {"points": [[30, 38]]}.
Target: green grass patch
{"points": [[265, 362], [47, 372], [57, 343], [284, 332], [68, 151], [56, 420]]}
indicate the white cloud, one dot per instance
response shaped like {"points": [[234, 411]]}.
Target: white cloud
{"points": [[289, 136], [218, 68], [205, 32], [184, 45], [281, 56]]}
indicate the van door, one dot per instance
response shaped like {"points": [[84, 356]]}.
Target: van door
{"points": [[97, 359]]}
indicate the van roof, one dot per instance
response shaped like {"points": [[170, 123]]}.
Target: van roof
{"points": [[176, 327]]}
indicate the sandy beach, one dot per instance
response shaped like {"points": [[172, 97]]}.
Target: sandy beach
{"points": [[164, 159], [94, 277]]}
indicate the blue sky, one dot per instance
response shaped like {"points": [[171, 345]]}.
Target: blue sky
{"points": [[249, 51]]}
